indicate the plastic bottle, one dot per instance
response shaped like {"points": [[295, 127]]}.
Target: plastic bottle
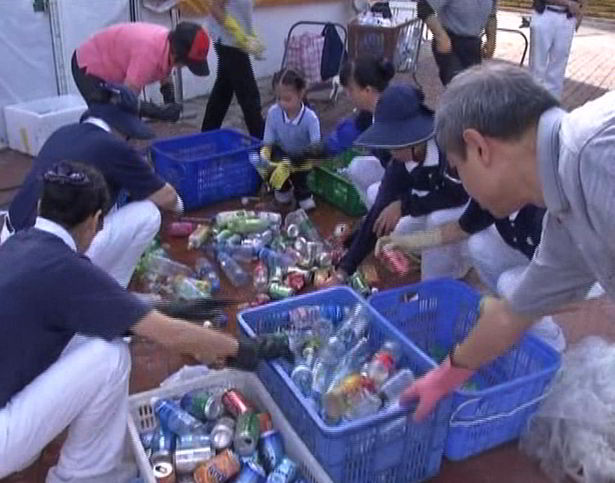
{"points": [[322, 371], [199, 236], [351, 330], [338, 399], [366, 404], [384, 363], [189, 288], [305, 225], [247, 225], [225, 217], [242, 253], [205, 271], [306, 315], [165, 266], [233, 271], [260, 277], [302, 373], [392, 389], [175, 419], [273, 258], [351, 362]]}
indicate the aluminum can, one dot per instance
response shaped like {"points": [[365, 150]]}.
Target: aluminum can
{"points": [[292, 231], [251, 473], [162, 444], [202, 404], [296, 281], [222, 433], [180, 229], [219, 469], [265, 422], [278, 291], [286, 472], [247, 432], [187, 460], [163, 472], [236, 403], [271, 449]]}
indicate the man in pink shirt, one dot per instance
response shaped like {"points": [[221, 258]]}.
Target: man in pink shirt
{"points": [[119, 61]]}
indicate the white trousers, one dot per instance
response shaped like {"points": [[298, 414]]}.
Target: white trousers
{"points": [[446, 261], [126, 234], [551, 36], [364, 171], [86, 390]]}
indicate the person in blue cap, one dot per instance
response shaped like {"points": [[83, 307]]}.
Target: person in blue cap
{"points": [[63, 363], [128, 229], [415, 191]]}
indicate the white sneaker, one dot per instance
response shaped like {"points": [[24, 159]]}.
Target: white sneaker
{"points": [[548, 331], [283, 197], [308, 204]]}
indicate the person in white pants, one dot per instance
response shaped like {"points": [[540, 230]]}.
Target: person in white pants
{"points": [[128, 229], [63, 363], [414, 186], [551, 31]]}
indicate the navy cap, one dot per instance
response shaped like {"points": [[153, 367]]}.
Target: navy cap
{"points": [[127, 123], [400, 120]]}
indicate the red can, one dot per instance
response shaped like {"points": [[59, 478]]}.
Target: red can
{"points": [[266, 423], [236, 403], [296, 281], [180, 228], [396, 261]]}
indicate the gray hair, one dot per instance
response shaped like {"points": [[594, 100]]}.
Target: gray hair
{"points": [[498, 100]]}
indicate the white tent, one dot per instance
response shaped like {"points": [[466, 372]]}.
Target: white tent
{"points": [[36, 47]]}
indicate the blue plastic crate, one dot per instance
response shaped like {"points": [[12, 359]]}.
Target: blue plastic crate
{"points": [[208, 167], [387, 447], [495, 406]]}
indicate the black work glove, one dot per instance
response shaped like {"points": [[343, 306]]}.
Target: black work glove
{"points": [[264, 347], [168, 112], [168, 92], [196, 310]]}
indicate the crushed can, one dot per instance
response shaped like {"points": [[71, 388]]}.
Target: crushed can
{"points": [[396, 262], [247, 432], [199, 236], [219, 469], [271, 449], [266, 424], [358, 284], [292, 231], [296, 281], [222, 433], [321, 277]]}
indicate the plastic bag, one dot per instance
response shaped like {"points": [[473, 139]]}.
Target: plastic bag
{"points": [[305, 54], [184, 374], [573, 432]]}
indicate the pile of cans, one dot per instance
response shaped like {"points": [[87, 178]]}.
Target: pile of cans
{"points": [[215, 437]]}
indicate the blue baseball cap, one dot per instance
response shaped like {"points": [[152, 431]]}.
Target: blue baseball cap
{"points": [[400, 120], [128, 123]]}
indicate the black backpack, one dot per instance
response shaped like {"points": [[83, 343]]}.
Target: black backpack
{"points": [[332, 52]]}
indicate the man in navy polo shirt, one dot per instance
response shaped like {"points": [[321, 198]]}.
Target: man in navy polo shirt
{"points": [[127, 230], [63, 362]]}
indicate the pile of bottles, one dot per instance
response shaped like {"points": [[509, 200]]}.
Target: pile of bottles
{"points": [[287, 256], [210, 436], [337, 368]]}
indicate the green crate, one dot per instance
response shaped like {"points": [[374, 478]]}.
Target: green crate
{"points": [[337, 190]]}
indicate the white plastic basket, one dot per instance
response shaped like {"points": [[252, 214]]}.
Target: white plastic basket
{"points": [[142, 419]]}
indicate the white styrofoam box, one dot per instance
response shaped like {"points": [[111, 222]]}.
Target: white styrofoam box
{"points": [[29, 124]]}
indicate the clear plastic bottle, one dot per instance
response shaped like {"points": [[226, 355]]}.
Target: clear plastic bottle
{"points": [[189, 288], [175, 419], [273, 258], [247, 225], [302, 373], [384, 363], [351, 330], [364, 404], [391, 390], [242, 252], [306, 315], [260, 277], [205, 271], [301, 219], [236, 275], [321, 373], [165, 266], [351, 362]]}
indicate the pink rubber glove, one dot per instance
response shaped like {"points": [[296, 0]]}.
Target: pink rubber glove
{"points": [[433, 386]]}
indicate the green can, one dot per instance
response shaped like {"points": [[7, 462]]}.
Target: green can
{"points": [[247, 433], [279, 291], [202, 404], [358, 283]]}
